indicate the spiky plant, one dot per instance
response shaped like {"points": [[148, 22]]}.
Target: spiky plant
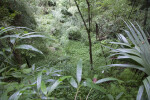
{"points": [[137, 49]]}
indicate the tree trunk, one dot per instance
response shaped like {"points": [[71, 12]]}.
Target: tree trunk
{"points": [[89, 35], [88, 29], [97, 36]]}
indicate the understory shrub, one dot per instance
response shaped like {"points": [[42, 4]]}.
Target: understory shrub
{"points": [[74, 33]]}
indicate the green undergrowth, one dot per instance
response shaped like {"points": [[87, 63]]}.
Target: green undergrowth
{"points": [[65, 42], [68, 52], [66, 58]]}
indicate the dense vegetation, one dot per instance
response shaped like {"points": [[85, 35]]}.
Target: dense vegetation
{"points": [[74, 50]]}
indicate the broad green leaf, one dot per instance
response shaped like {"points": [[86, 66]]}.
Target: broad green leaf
{"points": [[139, 35], [3, 83], [140, 93], [12, 86], [128, 51], [39, 79], [91, 84], [136, 38], [43, 88], [147, 87], [23, 66], [106, 79], [128, 66], [1, 53], [124, 44], [33, 67], [130, 36], [15, 96], [135, 58], [4, 55], [31, 36], [28, 47], [79, 71], [6, 30], [48, 98], [119, 96], [3, 69], [8, 49], [10, 36], [30, 33], [110, 97], [13, 40], [11, 28], [54, 86], [123, 38], [142, 32], [17, 74], [27, 71], [148, 79], [50, 80], [56, 75], [73, 83]]}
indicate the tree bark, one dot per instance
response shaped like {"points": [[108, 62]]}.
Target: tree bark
{"points": [[97, 36], [89, 36]]}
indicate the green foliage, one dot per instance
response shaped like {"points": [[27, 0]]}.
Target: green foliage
{"points": [[116, 8], [146, 87], [112, 12], [46, 3], [138, 51], [42, 91], [127, 74], [74, 33], [13, 44], [88, 83], [65, 12], [116, 98], [6, 16], [59, 21], [16, 12], [12, 72]]}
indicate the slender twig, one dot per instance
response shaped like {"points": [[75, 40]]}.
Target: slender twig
{"points": [[81, 15], [89, 36], [87, 29], [76, 94], [88, 94]]}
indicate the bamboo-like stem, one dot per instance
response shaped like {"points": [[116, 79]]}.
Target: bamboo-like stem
{"points": [[88, 94], [75, 98], [88, 29]]}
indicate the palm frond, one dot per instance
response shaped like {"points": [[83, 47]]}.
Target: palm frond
{"points": [[136, 50]]}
